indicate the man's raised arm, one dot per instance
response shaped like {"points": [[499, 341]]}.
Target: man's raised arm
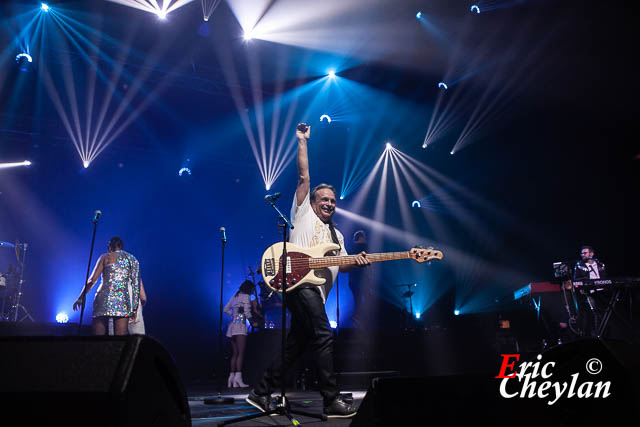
{"points": [[302, 133]]}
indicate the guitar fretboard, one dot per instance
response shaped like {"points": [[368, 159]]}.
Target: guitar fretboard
{"points": [[332, 261]]}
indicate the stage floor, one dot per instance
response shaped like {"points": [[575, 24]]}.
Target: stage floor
{"points": [[211, 415]]}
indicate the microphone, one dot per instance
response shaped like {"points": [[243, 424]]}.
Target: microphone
{"points": [[96, 216], [302, 127], [272, 197], [223, 234]]}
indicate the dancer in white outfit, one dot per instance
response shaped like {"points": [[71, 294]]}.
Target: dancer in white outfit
{"points": [[239, 307]]}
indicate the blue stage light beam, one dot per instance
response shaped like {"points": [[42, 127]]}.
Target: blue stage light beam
{"points": [[359, 157], [503, 86], [62, 317], [331, 74]]}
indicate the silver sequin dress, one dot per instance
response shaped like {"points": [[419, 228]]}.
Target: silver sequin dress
{"points": [[119, 292]]}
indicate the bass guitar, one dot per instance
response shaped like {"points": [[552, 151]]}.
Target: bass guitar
{"points": [[301, 262]]}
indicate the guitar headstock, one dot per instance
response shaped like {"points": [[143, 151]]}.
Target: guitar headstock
{"points": [[421, 254]]}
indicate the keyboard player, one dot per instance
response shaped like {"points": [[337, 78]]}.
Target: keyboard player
{"points": [[588, 267], [589, 304]]}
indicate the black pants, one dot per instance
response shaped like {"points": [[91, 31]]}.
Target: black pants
{"points": [[309, 327]]}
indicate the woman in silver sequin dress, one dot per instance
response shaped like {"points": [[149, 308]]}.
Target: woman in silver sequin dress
{"points": [[118, 295], [239, 307]]}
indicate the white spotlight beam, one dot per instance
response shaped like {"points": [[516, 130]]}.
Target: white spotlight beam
{"points": [[14, 164], [402, 198], [152, 6], [358, 201], [208, 7], [231, 75]]}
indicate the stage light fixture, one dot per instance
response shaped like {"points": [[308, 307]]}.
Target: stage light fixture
{"points": [[268, 187], [248, 36], [85, 163], [456, 312], [416, 204], [325, 116], [475, 8], [184, 172], [341, 197], [162, 14], [332, 74], [451, 152], [443, 85], [44, 7], [24, 61], [388, 145], [417, 315], [23, 57], [419, 14], [62, 317], [333, 324]]}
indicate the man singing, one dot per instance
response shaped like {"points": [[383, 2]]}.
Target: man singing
{"points": [[311, 214]]}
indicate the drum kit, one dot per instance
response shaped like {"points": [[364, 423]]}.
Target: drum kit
{"points": [[11, 286]]}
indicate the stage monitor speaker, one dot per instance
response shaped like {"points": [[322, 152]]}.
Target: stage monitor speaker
{"points": [[459, 400], [97, 381]]}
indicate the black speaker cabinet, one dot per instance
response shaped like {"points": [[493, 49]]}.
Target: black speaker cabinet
{"points": [[97, 381]]}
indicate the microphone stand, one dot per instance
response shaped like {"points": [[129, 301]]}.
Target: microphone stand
{"points": [[84, 294], [338, 304], [283, 407], [219, 399]]}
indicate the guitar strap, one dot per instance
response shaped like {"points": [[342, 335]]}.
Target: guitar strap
{"points": [[334, 236]]}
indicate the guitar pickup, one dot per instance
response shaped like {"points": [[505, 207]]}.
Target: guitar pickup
{"points": [[269, 267]]}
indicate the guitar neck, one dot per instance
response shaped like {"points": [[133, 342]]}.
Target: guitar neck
{"points": [[332, 261]]}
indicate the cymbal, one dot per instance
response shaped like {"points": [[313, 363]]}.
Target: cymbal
{"points": [[6, 245], [407, 294]]}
